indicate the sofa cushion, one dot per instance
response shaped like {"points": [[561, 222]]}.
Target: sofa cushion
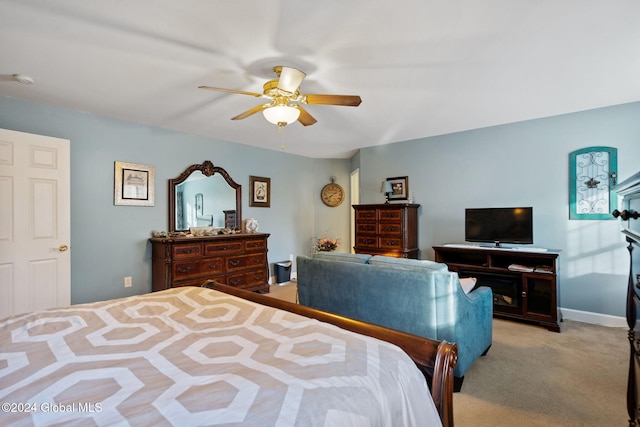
{"points": [[342, 257], [408, 264]]}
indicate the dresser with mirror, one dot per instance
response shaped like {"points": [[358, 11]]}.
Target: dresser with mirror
{"points": [[206, 202]]}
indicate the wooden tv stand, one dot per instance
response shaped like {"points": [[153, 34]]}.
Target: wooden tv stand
{"points": [[529, 296]]}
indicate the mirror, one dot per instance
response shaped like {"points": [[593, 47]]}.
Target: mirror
{"points": [[204, 196]]}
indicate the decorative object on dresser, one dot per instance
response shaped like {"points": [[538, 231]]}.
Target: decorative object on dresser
{"points": [[386, 189], [230, 218], [630, 205], [387, 229], [133, 184], [332, 194], [260, 192], [524, 284], [399, 188], [238, 260], [251, 225]]}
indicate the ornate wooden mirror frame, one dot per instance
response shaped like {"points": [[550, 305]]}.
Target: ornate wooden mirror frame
{"points": [[207, 169]]}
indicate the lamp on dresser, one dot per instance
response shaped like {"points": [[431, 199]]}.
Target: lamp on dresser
{"points": [[386, 189]]}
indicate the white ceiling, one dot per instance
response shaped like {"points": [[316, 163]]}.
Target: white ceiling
{"points": [[422, 67]]}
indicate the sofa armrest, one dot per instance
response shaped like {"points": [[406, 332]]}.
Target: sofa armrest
{"points": [[472, 326]]}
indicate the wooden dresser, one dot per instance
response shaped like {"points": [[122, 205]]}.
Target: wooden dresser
{"points": [[238, 260], [387, 229], [630, 211]]}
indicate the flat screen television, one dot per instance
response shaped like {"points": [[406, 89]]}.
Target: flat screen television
{"points": [[499, 225]]}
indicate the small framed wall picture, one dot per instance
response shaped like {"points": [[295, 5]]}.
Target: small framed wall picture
{"points": [[133, 184], [259, 191], [399, 188]]}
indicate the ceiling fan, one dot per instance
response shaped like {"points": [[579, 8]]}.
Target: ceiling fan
{"points": [[285, 99]]}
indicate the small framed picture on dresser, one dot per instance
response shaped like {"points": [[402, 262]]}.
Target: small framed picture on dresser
{"points": [[399, 188]]}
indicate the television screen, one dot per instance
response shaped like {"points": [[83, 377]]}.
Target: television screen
{"points": [[499, 225]]}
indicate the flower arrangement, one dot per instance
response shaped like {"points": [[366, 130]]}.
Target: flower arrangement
{"points": [[324, 243]]}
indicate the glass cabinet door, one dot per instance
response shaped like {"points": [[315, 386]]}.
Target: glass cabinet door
{"points": [[539, 297]]}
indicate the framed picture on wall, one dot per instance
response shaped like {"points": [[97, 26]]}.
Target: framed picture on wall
{"points": [[399, 188], [133, 184], [259, 191]]}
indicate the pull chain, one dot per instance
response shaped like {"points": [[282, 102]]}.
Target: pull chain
{"points": [[281, 126]]}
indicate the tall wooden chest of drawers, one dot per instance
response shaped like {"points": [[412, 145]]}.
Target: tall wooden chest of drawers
{"points": [[238, 260], [387, 229]]}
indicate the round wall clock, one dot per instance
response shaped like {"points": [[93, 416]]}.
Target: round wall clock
{"points": [[332, 194]]}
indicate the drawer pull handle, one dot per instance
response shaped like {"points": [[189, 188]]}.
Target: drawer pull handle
{"points": [[235, 281], [257, 276], [214, 266], [184, 270], [257, 260], [186, 251], [234, 263]]}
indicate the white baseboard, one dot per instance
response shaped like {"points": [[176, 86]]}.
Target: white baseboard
{"points": [[594, 318]]}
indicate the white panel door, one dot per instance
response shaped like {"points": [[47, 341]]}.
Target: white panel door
{"points": [[35, 264]]}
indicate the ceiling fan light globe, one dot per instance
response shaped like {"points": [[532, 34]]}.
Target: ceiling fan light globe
{"points": [[281, 114]]}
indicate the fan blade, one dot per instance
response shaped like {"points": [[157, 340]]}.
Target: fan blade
{"points": [[305, 118], [241, 92], [250, 112], [290, 79], [347, 100]]}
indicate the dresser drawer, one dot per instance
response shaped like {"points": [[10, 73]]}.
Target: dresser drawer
{"points": [[390, 214], [198, 268], [366, 215], [248, 279], [367, 242], [390, 243], [223, 248], [211, 266], [187, 251], [366, 228], [255, 245], [245, 261], [186, 270], [390, 228]]}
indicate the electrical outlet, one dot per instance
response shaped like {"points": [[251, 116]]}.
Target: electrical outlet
{"points": [[291, 257], [127, 282]]}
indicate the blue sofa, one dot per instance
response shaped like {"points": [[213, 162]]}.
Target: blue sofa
{"points": [[416, 296]]}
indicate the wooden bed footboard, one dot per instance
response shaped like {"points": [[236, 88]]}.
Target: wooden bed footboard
{"points": [[436, 359]]}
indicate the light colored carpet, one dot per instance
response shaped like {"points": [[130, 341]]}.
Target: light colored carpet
{"points": [[533, 377]]}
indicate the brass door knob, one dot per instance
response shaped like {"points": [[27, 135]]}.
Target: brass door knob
{"points": [[61, 248]]}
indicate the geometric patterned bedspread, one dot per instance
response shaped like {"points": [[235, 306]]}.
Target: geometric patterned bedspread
{"points": [[195, 356]]}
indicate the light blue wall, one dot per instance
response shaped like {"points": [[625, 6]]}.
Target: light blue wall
{"points": [[110, 242], [520, 164]]}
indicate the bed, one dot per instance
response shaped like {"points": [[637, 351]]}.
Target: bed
{"points": [[217, 355]]}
